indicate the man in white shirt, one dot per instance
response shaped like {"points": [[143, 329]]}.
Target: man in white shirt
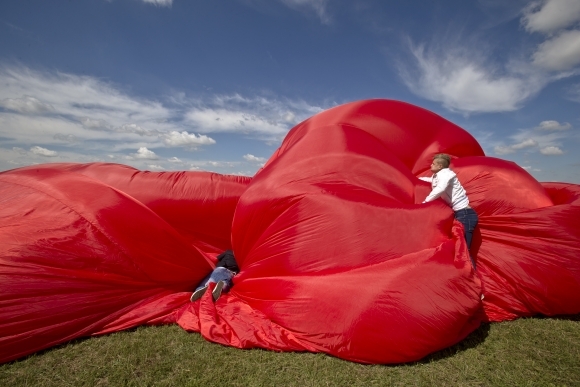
{"points": [[445, 185]]}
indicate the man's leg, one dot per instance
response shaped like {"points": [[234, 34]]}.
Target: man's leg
{"points": [[469, 219], [472, 220]]}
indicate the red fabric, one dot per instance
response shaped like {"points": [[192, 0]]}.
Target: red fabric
{"points": [[337, 253]]}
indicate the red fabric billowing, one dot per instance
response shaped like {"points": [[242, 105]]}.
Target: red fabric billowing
{"points": [[337, 253]]}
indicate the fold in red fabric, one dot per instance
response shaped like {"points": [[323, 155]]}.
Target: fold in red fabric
{"points": [[336, 250]]}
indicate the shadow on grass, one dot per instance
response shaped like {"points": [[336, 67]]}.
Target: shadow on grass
{"points": [[49, 349], [570, 317], [473, 340], [75, 341], [478, 336]]}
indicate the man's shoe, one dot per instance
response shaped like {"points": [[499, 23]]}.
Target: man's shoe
{"points": [[217, 291], [198, 293]]}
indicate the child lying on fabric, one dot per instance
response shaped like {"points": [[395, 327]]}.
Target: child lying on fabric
{"points": [[222, 275]]}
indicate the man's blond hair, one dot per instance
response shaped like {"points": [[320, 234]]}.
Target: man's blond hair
{"points": [[442, 159]]}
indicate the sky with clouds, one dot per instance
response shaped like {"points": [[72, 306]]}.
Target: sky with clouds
{"points": [[216, 85]]}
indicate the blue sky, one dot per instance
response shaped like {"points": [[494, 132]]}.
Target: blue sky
{"points": [[215, 85]]}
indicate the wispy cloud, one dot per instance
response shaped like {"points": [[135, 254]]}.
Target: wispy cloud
{"points": [[256, 159], [553, 125], [26, 105], [258, 117], [159, 3], [464, 77], [70, 138], [559, 53], [315, 8], [503, 150], [573, 92], [547, 138], [145, 154], [175, 138], [82, 118], [459, 79], [561, 49], [39, 104], [551, 151], [37, 150], [215, 166], [223, 120], [319, 7], [155, 167], [550, 15]]}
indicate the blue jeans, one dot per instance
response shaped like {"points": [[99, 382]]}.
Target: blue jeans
{"points": [[468, 218], [218, 274]]}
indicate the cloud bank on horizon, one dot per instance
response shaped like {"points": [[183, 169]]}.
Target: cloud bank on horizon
{"points": [[109, 122], [518, 96]]}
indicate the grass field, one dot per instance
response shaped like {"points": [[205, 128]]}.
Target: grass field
{"points": [[525, 352]]}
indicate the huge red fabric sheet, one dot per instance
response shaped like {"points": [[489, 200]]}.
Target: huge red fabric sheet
{"points": [[337, 253]]}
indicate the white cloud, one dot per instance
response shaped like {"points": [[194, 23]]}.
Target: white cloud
{"points": [[93, 119], [464, 78], [19, 150], [536, 140], [504, 150], [551, 125], [525, 144], [267, 119], [145, 154], [174, 160], [77, 102], [95, 110], [222, 120], [460, 81], [156, 167], [94, 124], [559, 53], [574, 92], [124, 128], [40, 151], [70, 138], [134, 128], [160, 3], [252, 158], [530, 168], [318, 6], [213, 163], [83, 110], [72, 94], [550, 15], [551, 151], [26, 105], [176, 138]]}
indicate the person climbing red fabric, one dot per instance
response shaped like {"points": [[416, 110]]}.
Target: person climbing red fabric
{"points": [[446, 185]]}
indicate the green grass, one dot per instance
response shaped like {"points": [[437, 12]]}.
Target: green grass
{"points": [[525, 352]]}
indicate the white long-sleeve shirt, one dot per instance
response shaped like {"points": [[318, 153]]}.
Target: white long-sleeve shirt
{"points": [[445, 184]]}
